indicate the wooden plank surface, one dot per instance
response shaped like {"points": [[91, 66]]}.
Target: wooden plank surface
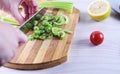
{"points": [[47, 53]]}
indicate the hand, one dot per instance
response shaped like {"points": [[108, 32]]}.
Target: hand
{"points": [[10, 39], [11, 6], [30, 7]]}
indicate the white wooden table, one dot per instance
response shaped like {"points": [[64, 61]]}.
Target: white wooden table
{"points": [[85, 58]]}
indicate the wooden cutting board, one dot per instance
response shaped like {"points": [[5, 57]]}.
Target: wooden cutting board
{"points": [[40, 54]]}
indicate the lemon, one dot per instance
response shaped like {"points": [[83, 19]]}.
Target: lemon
{"points": [[99, 10]]}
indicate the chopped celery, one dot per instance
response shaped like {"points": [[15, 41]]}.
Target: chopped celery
{"points": [[42, 37], [62, 35], [35, 22], [68, 6], [56, 30], [37, 32], [67, 31], [59, 32], [36, 28], [49, 27], [31, 37]]}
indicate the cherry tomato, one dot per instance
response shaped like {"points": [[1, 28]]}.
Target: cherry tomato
{"points": [[96, 37]]}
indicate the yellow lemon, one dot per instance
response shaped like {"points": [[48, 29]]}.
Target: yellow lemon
{"points": [[99, 10]]}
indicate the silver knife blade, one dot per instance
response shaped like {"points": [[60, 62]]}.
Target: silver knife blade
{"points": [[25, 27]]}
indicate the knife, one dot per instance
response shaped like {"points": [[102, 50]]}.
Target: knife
{"points": [[29, 24]]}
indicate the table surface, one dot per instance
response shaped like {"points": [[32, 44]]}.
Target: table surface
{"points": [[84, 57]]}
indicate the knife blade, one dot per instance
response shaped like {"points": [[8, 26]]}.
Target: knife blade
{"points": [[28, 25]]}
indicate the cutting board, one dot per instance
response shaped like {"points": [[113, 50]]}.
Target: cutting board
{"points": [[40, 54]]}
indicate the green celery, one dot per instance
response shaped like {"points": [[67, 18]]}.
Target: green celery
{"points": [[68, 6], [9, 20]]}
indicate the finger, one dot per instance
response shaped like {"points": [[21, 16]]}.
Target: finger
{"points": [[26, 11], [34, 10], [16, 14], [22, 38], [34, 6], [30, 12]]}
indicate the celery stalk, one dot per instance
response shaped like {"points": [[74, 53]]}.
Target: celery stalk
{"points": [[9, 20], [68, 31], [68, 6]]}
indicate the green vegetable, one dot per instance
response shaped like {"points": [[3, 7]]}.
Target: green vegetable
{"points": [[35, 22], [49, 27], [62, 35], [48, 17], [68, 6], [61, 20], [56, 30], [36, 28], [9, 20], [37, 32], [42, 37], [59, 32], [31, 37], [67, 31]]}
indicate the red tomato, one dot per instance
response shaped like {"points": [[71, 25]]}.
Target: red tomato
{"points": [[96, 37]]}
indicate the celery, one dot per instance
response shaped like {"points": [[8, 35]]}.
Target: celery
{"points": [[49, 29], [68, 6], [9, 20], [68, 31]]}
